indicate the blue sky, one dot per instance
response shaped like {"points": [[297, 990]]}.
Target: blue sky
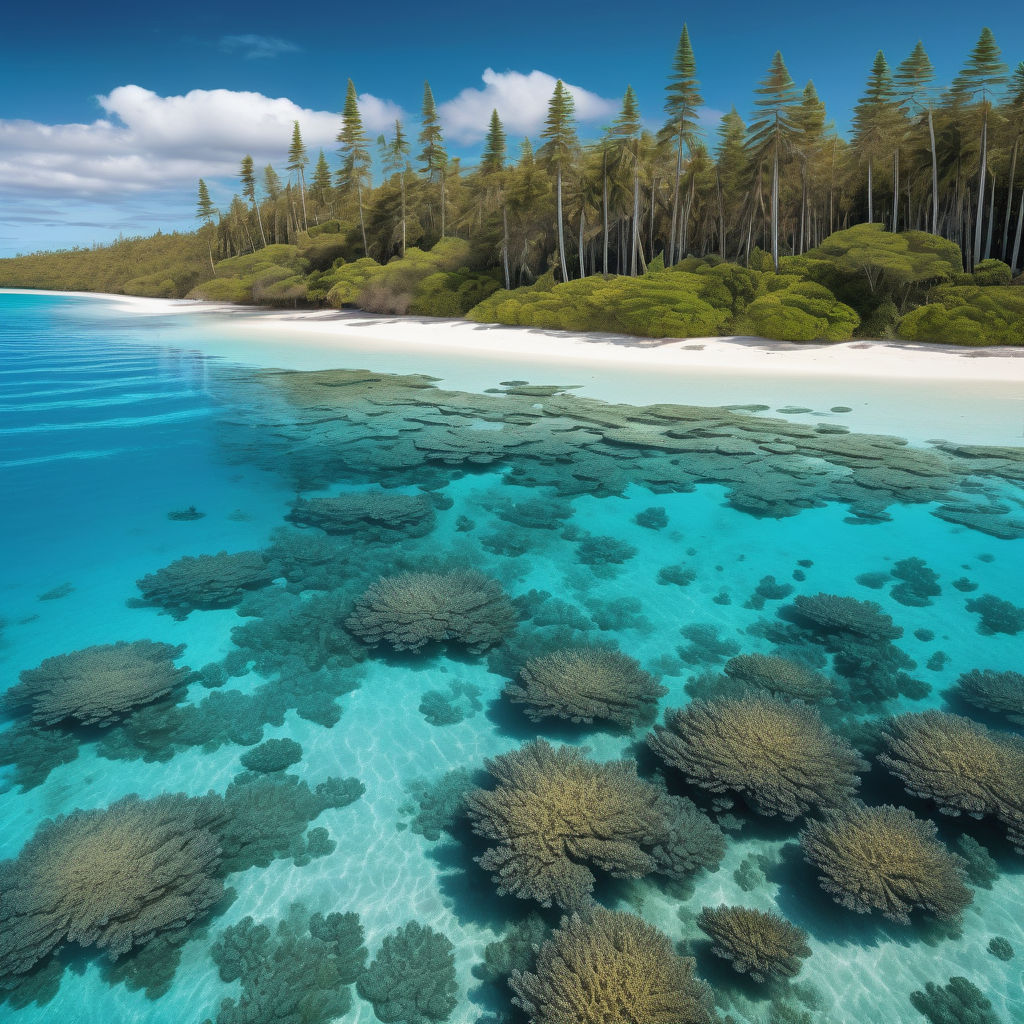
{"points": [[115, 69]]}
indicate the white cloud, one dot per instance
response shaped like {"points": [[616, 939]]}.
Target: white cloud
{"points": [[149, 142], [254, 47], [521, 101]]}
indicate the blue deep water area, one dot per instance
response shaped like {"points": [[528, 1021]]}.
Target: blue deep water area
{"points": [[123, 450]]}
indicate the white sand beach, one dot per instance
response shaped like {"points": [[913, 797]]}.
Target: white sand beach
{"points": [[921, 392]]}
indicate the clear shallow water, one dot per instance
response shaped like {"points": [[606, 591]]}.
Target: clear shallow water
{"points": [[109, 421]]}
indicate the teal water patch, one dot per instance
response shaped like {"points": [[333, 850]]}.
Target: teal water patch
{"points": [[326, 587]]}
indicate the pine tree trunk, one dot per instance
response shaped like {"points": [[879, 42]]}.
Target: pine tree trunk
{"points": [[675, 202], [981, 187], [1014, 264], [991, 219], [803, 203], [935, 175], [654, 182], [775, 210], [895, 188], [362, 224], [871, 194], [1009, 199], [721, 214], [444, 203], [636, 221], [504, 245], [259, 220], [605, 208], [403, 219], [302, 195], [561, 232], [583, 267]]}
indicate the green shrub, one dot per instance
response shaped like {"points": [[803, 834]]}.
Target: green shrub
{"points": [[992, 272], [799, 311], [968, 315], [349, 280], [451, 293], [223, 289]]}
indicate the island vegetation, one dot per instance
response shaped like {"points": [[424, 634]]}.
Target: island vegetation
{"points": [[775, 225]]}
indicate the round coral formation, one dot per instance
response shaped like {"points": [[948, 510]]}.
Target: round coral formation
{"points": [[834, 614], [755, 942], [110, 878], [779, 756], [885, 859], [206, 581], [959, 765], [999, 692], [555, 816], [778, 675], [411, 610], [586, 683], [98, 685], [376, 513], [611, 966]]}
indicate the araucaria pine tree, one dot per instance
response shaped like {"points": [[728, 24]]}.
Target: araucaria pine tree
{"points": [[682, 102], [433, 158], [772, 131], [354, 173], [297, 160], [247, 174], [396, 161], [982, 77], [558, 151], [873, 121], [913, 87]]}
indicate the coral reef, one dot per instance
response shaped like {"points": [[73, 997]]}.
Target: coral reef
{"points": [[778, 756], [960, 766], [515, 950], [761, 944], [204, 582], [586, 683], [885, 859], [272, 756], [653, 518], [534, 513], [602, 553], [918, 584], [611, 966], [296, 973], [768, 590], [307, 559], [959, 1002], [412, 610], [554, 816], [860, 637], [979, 865], [439, 806], [111, 878], [266, 818], [373, 515], [98, 685], [412, 977], [461, 701], [1000, 948], [705, 646], [34, 753], [997, 615], [999, 692], [676, 575], [778, 675]]}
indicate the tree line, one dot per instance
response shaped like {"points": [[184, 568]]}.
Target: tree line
{"points": [[943, 160]]}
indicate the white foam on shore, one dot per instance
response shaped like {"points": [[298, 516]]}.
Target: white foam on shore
{"points": [[921, 392]]}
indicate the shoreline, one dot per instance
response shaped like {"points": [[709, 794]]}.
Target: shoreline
{"points": [[918, 391]]}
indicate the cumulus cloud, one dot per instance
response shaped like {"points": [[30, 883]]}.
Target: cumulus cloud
{"points": [[254, 47], [521, 101], [149, 142]]}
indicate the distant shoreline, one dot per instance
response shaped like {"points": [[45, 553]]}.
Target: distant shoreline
{"points": [[914, 390]]}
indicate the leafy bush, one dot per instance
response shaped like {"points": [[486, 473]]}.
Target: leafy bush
{"points": [[968, 315], [992, 272], [801, 311], [451, 293], [346, 282]]}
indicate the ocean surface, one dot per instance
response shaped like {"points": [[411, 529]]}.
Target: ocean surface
{"points": [[127, 444]]}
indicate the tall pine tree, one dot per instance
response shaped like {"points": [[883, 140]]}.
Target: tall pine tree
{"points": [[913, 87], [682, 102], [433, 157], [297, 160], [354, 172], [247, 173], [557, 152], [773, 129], [873, 121]]}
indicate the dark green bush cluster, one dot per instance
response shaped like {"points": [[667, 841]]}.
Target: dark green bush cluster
{"points": [[968, 315]]}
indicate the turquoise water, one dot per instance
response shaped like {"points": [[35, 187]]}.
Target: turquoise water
{"points": [[111, 420]]}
